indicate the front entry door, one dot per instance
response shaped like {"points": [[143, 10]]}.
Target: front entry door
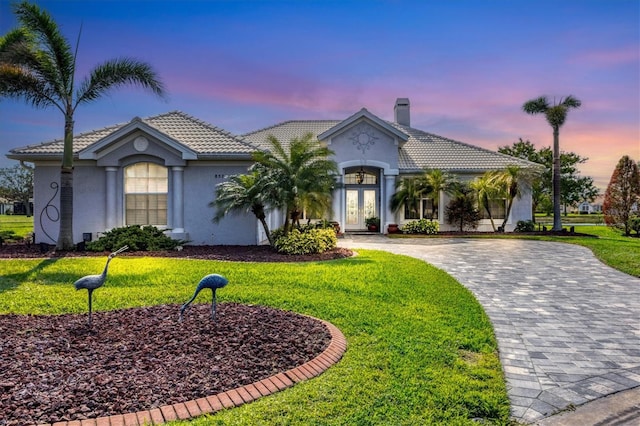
{"points": [[361, 204]]}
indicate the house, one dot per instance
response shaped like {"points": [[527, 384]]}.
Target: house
{"points": [[594, 207], [163, 170]]}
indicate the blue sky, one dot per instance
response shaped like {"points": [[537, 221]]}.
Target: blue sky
{"points": [[467, 67]]}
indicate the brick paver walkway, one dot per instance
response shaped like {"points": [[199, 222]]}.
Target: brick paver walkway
{"points": [[568, 326]]}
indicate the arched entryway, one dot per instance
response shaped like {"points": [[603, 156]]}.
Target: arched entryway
{"points": [[362, 196]]}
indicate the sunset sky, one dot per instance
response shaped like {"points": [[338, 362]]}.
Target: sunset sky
{"points": [[467, 67]]}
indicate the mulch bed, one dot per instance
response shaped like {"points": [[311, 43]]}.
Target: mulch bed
{"points": [[56, 368], [228, 253]]}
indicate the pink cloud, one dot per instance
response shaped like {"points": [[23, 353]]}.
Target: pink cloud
{"points": [[608, 58]]}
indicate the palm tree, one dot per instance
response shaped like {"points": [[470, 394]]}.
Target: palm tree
{"points": [[556, 115], [301, 177], [38, 65], [242, 193], [409, 191], [436, 181], [486, 190], [511, 183]]}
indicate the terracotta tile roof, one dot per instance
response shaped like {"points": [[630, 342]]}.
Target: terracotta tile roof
{"points": [[201, 137]]}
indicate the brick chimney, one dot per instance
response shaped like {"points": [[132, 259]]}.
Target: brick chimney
{"points": [[401, 112]]}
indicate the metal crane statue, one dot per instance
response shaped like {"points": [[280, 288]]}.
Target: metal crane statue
{"points": [[212, 281], [91, 282]]}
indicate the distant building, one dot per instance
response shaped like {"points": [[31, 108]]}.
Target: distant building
{"points": [[594, 207]]}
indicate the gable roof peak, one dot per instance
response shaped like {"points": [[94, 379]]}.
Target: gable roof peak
{"points": [[364, 114]]}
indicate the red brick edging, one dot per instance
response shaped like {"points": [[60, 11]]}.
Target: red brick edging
{"points": [[231, 398]]}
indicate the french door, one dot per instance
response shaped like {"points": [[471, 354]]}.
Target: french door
{"points": [[361, 204]]}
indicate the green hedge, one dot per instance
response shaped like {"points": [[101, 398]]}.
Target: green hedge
{"points": [[145, 238], [306, 240], [525, 226], [422, 226]]}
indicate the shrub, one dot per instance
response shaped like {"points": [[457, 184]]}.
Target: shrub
{"points": [[323, 224], [461, 210], [8, 236], [634, 224], [145, 238], [305, 240], [422, 226], [525, 226], [372, 221]]}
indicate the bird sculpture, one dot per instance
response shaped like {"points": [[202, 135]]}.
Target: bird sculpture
{"points": [[91, 282], [212, 281]]}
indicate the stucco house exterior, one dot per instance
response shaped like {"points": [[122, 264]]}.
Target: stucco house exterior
{"points": [[163, 170]]}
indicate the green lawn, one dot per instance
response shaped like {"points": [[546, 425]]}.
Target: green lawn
{"points": [[19, 225], [571, 218], [421, 350]]}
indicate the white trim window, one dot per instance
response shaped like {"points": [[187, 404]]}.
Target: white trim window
{"points": [[145, 191], [422, 209], [498, 209]]}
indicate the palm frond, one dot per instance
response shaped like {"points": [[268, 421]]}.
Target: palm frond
{"points": [[116, 73], [571, 102], [16, 84], [536, 106], [52, 42]]}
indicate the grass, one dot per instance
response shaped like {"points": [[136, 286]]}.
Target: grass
{"points": [[571, 218], [19, 225], [421, 350]]}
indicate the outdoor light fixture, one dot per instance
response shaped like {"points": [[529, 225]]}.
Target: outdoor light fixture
{"points": [[360, 176]]}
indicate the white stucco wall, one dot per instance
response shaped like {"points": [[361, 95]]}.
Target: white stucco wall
{"points": [[43, 220], [364, 142], [199, 190], [88, 201]]}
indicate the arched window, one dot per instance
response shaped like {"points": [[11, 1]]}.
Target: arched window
{"points": [[145, 190], [361, 177]]}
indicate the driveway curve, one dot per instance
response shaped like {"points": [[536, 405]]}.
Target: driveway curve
{"points": [[567, 326]]}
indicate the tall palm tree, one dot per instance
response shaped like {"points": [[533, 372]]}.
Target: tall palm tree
{"points": [[556, 115], [242, 193], [511, 184], [409, 191], [435, 181], [486, 190], [38, 65], [301, 177]]}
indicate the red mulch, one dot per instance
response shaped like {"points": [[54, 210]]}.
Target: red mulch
{"points": [[54, 368], [229, 253]]}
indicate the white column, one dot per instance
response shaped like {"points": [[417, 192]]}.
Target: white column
{"points": [[390, 186], [342, 218], [338, 201], [111, 197], [178, 200]]}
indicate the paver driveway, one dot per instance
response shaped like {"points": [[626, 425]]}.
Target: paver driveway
{"points": [[568, 326]]}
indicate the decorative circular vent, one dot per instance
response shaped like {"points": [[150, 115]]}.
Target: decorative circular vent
{"points": [[141, 143]]}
